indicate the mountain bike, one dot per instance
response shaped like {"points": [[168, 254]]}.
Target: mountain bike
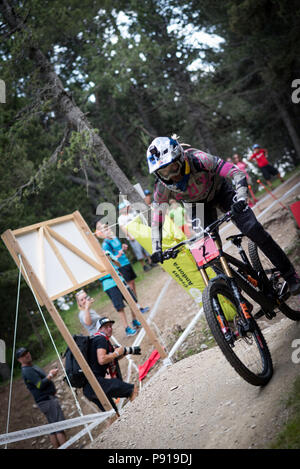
{"points": [[227, 311]]}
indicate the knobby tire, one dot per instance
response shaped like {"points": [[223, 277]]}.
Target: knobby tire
{"points": [[256, 261], [257, 379]]}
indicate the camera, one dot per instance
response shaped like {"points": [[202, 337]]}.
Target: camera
{"points": [[132, 350]]}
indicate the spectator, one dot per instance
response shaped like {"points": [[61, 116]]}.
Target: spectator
{"points": [[43, 390], [126, 216], [237, 160], [87, 316], [103, 358], [108, 283], [113, 245], [177, 213], [148, 197], [260, 156]]}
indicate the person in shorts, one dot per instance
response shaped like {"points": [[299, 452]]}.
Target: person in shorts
{"points": [[115, 249], [260, 156], [43, 391]]}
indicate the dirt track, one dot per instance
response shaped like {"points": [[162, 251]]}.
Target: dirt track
{"points": [[200, 402]]}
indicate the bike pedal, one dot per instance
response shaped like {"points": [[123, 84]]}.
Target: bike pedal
{"points": [[259, 314]]}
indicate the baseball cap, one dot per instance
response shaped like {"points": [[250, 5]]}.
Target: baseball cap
{"points": [[147, 192], [103, 321], [124, 204], [21, 351]]}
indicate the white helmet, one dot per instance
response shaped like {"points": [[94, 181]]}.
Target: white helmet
{"points": [[161, 153]]}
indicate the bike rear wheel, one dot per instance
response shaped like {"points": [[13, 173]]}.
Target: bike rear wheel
{"points": [[290, 307], [248, 355]]}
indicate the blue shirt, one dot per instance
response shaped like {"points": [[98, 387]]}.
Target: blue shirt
{"points": [[114, 246], [107, 281]]}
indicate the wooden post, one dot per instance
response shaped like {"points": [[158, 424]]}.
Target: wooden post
{"points": [[86, 232], [41, 256], [15, 250]]}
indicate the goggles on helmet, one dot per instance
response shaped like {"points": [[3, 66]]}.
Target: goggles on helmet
{"points": [[170, 170]]}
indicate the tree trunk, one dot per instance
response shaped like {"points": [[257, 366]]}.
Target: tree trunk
{"points": [[66, 106], [289, 125]]}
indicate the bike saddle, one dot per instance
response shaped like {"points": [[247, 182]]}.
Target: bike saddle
{"points": [[235, 238]]}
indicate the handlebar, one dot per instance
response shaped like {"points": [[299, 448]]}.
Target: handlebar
{"points": [[172, 253]]}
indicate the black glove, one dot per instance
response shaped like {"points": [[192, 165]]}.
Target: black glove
{"points": [[132, 350], [157, 256], [238, 207]]}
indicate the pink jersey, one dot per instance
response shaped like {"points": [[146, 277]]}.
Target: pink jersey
{"points": [[206, 176], [242, 166]]}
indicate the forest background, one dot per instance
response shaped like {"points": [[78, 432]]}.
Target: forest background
{"points": [[89, 84]]}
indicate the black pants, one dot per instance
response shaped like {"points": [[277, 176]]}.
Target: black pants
{"points": [[248, 224], [113, 387]]}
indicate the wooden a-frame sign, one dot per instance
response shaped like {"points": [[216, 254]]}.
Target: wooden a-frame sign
{"points": [[62, 255]]}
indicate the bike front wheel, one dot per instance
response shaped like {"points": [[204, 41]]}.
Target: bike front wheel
{"points": [[248, 354]]}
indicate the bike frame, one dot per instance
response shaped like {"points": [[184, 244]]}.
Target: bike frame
{"points": [[244, 277]]}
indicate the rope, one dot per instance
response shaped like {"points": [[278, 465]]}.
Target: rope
{"points": [[53, 343], [14, 347], [54, 427]]}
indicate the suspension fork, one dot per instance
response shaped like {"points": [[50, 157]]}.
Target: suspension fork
{"points": [[235, 289], [228, 334], [245, 315]]}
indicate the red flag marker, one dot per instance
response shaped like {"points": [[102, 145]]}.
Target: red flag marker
{"points": [[144, 369]]}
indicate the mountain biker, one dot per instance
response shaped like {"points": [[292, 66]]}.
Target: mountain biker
{"points": [[194, 177]]}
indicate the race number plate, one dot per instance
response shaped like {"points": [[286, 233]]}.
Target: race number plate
{"points": [[204, 250]]}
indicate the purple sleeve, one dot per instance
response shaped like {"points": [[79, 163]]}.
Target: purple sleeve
{"points": [[216, 165]]}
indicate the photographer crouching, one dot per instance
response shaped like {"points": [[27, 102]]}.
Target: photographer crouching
{"points": [[103, 360]]}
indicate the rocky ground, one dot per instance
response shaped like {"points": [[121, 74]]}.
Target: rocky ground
{"points": [[198, 401]]}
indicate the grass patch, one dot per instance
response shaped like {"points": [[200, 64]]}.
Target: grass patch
{"points": [[289, 437]]}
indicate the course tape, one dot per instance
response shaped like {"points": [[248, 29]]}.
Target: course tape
{"points": [[79, 435], [52, 427]]}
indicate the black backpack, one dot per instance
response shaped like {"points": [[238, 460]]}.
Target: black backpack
{"points": [[73, 370]]}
